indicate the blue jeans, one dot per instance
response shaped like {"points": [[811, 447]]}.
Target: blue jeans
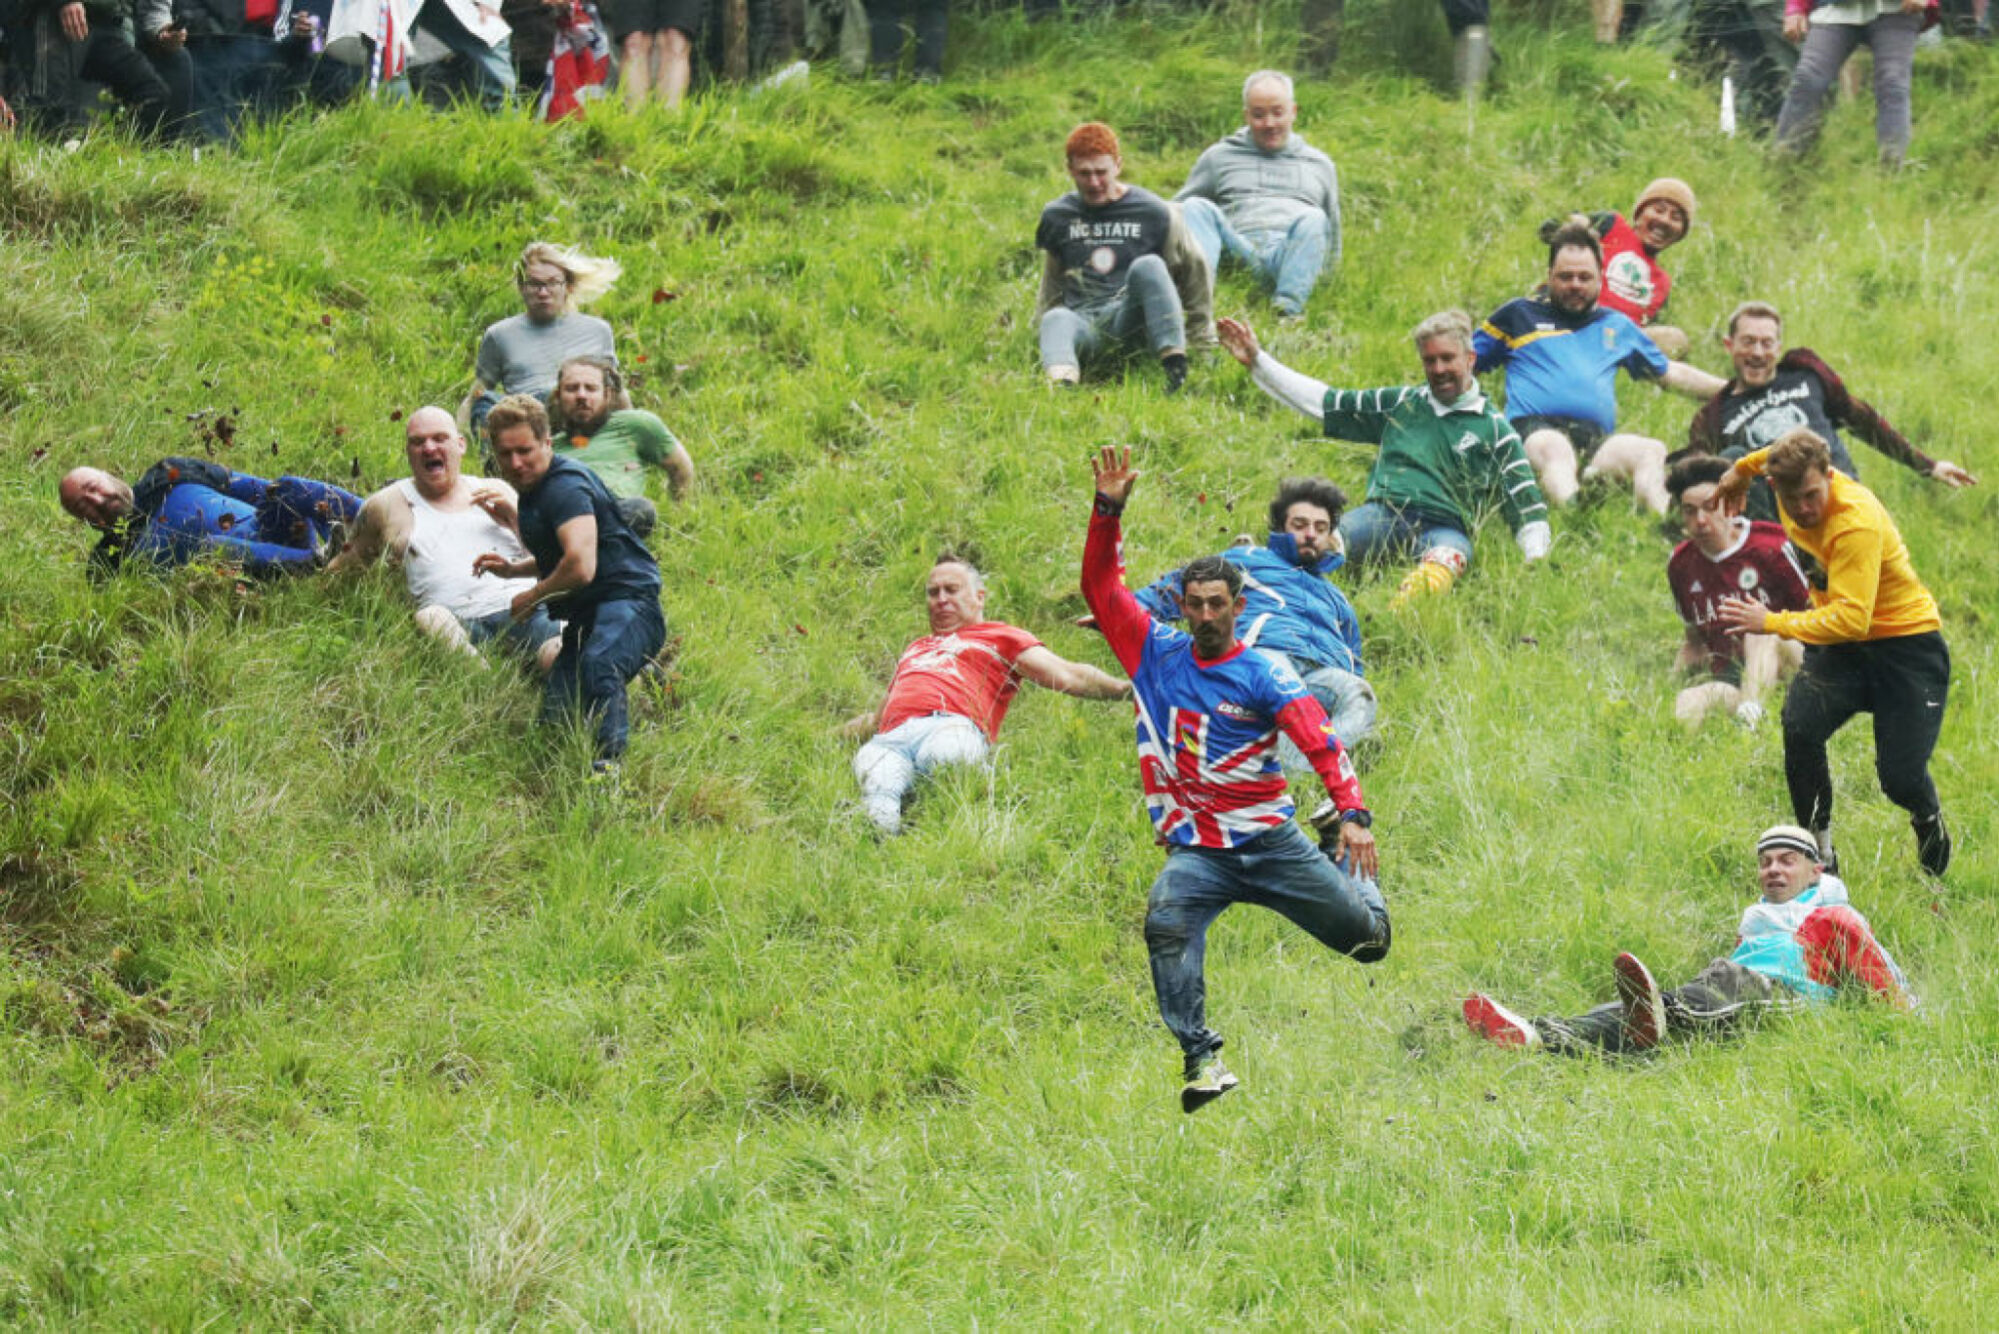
{"points": [[1346, 697], [602, 650], [1148, 302], [1280, 870], [236, 75], [520, 640], [300, 512], [1288, 260], [1376, 534]]}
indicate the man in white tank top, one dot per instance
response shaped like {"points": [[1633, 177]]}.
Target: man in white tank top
{"points": [[429, 524]]}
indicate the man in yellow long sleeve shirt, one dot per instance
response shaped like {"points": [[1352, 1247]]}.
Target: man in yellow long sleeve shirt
{"points": [[1873, 641]]}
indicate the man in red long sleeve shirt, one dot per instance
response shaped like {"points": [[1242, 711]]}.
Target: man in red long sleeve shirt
{"points": [[1209, 711]]}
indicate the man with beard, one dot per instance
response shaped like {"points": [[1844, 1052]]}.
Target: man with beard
{"points": [[1561, 355], [1209, 711], [1292, 611], [595, 424], [1447, 455], [1777, 390], [432, 524]]}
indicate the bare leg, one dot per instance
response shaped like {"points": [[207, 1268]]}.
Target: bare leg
{"points": [[636, 70], [442, 626], [1554, 460], [1698, 701], [674, 68], [1639, 458], [1673, 342], [1608, 15]]}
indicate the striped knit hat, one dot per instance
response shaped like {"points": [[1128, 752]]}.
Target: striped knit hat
{"points": [[1788, 836]]}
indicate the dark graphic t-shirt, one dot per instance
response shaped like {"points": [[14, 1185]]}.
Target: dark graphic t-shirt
{"points": [[1096, 246], [1753, 419]]}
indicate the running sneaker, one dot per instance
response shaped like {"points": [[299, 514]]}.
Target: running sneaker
{"points": [[1495, 1023], [1932, 844], [1211, 1081], [1644, 1006]]}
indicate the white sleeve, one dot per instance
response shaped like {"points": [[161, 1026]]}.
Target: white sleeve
{"points": [[1535, 538], [1300, 393]]}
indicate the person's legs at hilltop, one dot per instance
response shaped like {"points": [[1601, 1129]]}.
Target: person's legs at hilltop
{"points": [[491, 67], [1824, 53], [1892, 38]]}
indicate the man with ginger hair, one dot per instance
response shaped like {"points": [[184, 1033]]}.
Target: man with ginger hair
{"points": [[1121, 271], [1873, 642], [432, 524]]}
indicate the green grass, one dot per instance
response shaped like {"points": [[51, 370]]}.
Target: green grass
{"points": [[332, 995]]}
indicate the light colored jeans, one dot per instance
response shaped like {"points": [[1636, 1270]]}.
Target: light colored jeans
{"points": [[1148, 302], [1288, 260], [1348, 700], [891, 762], [1375, 534]]}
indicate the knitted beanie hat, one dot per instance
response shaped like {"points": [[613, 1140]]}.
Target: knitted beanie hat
{"points": [[1671, 189]]}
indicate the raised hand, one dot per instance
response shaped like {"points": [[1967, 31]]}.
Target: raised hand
{"points": [[1114, 473], [1237, 338]]}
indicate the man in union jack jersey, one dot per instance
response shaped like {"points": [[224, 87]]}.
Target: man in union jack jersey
{"points": [[1209, 714]]}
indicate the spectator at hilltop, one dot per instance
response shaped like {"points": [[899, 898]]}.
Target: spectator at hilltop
{"points": [[1831, 31]]}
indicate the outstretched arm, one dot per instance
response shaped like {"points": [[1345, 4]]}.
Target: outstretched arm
{"points": [[1301, 393], [1691, 381], [1080, 679]]}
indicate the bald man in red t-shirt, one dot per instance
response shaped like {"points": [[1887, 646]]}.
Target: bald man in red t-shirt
{"points": [[951, 690]]}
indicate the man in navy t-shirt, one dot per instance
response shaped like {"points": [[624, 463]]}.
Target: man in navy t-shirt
{"points": [[1120, 271], [594, 575]]}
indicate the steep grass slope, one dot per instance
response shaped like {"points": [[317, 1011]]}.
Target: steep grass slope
{"points": [[332, 995]]}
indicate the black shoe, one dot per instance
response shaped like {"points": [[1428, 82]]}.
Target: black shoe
{"points": [[1176, 371], [1932, 844]]}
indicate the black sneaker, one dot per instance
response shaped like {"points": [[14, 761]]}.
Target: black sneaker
{"points": [[1932, 844], [1176, 371]]}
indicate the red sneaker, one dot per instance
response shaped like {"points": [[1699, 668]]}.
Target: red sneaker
{"points": [[1644, 1006], [1495, 1023]]}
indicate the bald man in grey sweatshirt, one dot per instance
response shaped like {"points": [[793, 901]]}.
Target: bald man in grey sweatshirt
{"points": [[1267, 197]]}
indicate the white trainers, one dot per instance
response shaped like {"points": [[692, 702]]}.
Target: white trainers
{"points": [[1495, 1023]]}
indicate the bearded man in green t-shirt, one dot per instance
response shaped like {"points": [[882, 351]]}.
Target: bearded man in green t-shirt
{"points": [[594, 423]]}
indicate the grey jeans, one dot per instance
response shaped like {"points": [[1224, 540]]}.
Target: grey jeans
{"points": [[1148, 302], [1892, 38]]}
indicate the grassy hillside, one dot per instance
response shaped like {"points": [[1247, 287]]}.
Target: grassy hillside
{"points": [[332, 995]]}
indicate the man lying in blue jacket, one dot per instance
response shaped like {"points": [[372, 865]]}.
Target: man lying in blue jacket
{"points": [[1293, 612], [185, 508]]}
